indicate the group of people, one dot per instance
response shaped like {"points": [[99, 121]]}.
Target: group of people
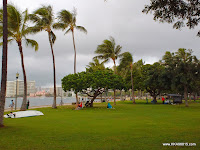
{"points": [[165, 101]]}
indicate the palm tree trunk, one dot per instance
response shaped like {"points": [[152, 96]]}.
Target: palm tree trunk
{"points": [[190, 97], [54, 71], [121, 95], [77, 102], [186, 95], [74, 52], [132, 84], [23, 106], [114, 97], [4, 63], [115, 73]]}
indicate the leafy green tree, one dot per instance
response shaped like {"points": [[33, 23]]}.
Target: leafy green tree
{"points": [[92, 83], [95, 65], [4, 63], [154, 79], [108, 50], [183, 69], [17, 31], [43, 18], [137, 71], [180, 12], [126, 64]]}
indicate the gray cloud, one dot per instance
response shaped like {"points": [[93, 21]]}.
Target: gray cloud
{"points": [[134, 31]]}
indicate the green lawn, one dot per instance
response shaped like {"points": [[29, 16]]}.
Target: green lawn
{"points": [[128, 126]]}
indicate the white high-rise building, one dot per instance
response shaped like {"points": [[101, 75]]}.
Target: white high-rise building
{"points": [[11, 88]]}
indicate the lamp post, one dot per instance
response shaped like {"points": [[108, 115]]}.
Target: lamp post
{"points": [[17, 75]]}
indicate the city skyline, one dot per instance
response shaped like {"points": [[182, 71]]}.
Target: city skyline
{"points": [[32, 89]]}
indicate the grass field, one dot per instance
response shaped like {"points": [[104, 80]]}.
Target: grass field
{"points": [[139, 127]]}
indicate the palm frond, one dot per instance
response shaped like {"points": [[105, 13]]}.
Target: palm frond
{"points": [[10, 33], [64, 16], [42, 11], [45, 13], [9, 41], [59, 26], [32, 30], [25, 19], [112, 40], [105, 61], [118, 50], [34, 18], [74, 20], [32, 43], [14, 18], [80, 28], [1, 16], [68, 31]]}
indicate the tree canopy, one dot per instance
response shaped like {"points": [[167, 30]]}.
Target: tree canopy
{"points": [[183, 69], [154, 79], [92, 83], [180, 12]]}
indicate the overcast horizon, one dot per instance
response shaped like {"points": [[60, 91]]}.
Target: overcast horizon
{"points": [[135, 31]]}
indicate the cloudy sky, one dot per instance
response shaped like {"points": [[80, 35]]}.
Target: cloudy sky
{"points": [[136, 32]]}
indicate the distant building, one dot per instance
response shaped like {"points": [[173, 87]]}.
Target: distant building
{"points": [[11, 88], [60, 92]]}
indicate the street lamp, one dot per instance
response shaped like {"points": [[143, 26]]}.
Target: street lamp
{"points": [[17, 75]]}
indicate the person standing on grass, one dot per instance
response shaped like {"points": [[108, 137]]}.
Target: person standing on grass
{"points": [[11, 105], [163, 99], [146, 100], [28, 103]]}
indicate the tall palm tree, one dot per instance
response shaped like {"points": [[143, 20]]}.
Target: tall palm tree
{"points": [[17, 31], [108, 50], [43, 18], [126, 64], [67, 21], [4, 63]]}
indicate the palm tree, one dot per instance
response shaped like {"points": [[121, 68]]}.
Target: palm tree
{"points": [[95, 65], [126, 64], [67, 21], [108, 50], [17, 31], [43, 19], [4, 62]]}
